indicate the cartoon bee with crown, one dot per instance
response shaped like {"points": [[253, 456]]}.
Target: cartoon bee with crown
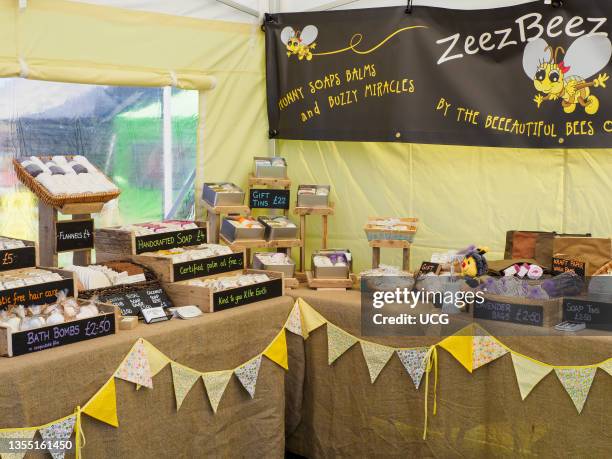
{"points": [[300, 43], [565, 79]]}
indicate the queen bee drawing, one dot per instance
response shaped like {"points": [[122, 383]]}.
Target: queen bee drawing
{"points": [[565, 78]]}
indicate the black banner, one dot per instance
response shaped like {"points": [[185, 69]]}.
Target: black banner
{"points": [[523, 76], [240, 296], [37, 294], [73, 235], [268, 199], [208, 266], [22, 257], [131, 303], [170, 240], [25, 342]]}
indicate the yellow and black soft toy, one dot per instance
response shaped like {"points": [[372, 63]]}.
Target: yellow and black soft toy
{"points": [[474, 263]]}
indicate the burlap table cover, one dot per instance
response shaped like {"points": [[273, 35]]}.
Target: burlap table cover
{"points": [[41, 387], [479, 414]]}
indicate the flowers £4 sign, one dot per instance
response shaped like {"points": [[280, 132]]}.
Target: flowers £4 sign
{"points": [[523, 76]]}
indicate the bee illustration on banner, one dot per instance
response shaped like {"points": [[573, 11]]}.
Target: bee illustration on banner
{"points": [[300, 43], [565, 78]]}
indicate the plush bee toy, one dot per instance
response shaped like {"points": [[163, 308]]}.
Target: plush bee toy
{"points": [[474, 263]]}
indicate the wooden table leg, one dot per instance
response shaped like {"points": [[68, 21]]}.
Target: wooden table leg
{"points": [[375, 257], [82, 257], [303, 238], [247, 257], [406, 259], [47, 216], [324, 231]]}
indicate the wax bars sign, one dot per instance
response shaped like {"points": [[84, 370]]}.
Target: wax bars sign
{"points": [[72, 235], [523, 76], [268, 199], [561, 265], [131, 303]]}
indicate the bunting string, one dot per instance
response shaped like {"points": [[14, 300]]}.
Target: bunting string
{"points": [[144, 361]]}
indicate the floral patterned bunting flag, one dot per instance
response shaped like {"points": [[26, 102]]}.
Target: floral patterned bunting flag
{"points": [[183, 379], [247, 375], [15, 435], [294, 323], [135, 368], [56, 434], [414, 362], [376, 357], [485, 350], [577, 383], [338, 342], [215, 383]]}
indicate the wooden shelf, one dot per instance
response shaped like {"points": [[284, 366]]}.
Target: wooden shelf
{"points": [[284, 243], [227, 210], [242, 244], [269, 181], [314, 210], [390, 243], [329, 284]]}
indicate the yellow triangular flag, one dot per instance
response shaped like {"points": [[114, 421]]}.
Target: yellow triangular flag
{"points": [[607, 366], [103, 405], [183, 378], [376, 357], [528, 373], [18, 435], [311, 319], [338, 342], [460, 347], [277, 350], [215, 383], [157, 359]]}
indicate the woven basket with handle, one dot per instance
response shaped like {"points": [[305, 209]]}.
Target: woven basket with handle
{"points": [[59, 201]]}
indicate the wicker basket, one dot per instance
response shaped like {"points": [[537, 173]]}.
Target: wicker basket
{"points": [[151, 280], [61, 200], [605, 269], [376, 232]]}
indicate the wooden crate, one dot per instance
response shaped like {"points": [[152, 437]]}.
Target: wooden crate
{"points": [[329, 284], [120, 243], [19, 258], [375, 231], [26, 342], [204, 298], [44, 293], [167, 271]]}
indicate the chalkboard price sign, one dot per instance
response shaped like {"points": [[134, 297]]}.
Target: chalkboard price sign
{"points": [[208, 266], [25, 342], [37, 294], [74, 235], [593, 314], [268, 199], [22, 257], [428, 267], [561, 265], [240, 296], [131, 303], [170, 240], [525, 314]]}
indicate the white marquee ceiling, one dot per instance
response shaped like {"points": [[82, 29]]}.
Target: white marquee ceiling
{"points": [[217, 10]]}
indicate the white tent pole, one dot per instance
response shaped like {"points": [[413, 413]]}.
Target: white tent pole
{"points": [[167, 148], [331, 5], [240, 7]]}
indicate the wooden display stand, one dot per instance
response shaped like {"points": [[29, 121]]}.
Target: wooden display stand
{"points": [[213, 218], [48, 217], [324, 212], [245, 245], [390, 244], [329, 284], [284, 183]]}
